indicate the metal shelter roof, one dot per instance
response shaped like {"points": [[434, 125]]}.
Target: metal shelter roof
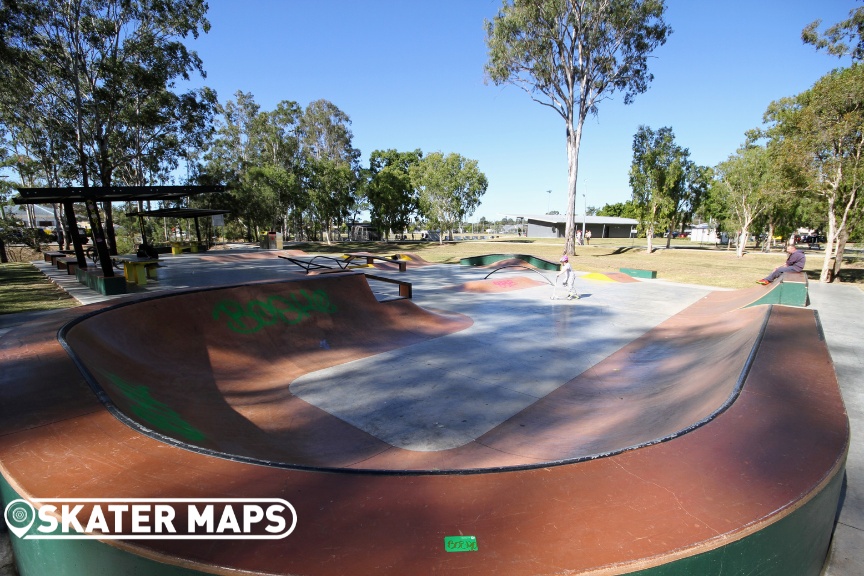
{"points": [[109, 193], [179, 212]]}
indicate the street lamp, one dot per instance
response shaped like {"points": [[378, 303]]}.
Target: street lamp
{"points": [[548, 203], [584, 212]]}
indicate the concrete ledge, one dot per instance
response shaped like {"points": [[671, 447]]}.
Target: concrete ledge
{"points": [[636, 273], [96, 280]]}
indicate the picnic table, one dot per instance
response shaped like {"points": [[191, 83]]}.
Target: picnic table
{"points": [[138, 270]]}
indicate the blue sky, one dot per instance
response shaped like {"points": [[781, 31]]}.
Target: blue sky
{"points": [[409, 74]]}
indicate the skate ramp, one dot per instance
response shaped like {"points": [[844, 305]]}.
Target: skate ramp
{"points": [[498, 260], [272, 372], [218, 375], [499, 284]]}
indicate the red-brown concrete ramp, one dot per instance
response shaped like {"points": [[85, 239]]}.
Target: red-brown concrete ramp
{"points": [[713, 444]]}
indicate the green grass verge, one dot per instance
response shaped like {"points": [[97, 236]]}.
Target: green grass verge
{"points": [[23, 288]]}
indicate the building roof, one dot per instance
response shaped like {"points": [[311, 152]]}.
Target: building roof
{"points": [[562, 218]]}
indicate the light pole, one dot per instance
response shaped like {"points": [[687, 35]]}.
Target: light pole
{"points": [[548, 203], [584, 212]]}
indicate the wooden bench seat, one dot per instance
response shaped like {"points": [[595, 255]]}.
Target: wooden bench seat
{"points": [[68, 263]]}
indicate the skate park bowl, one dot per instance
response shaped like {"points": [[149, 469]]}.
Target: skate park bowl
{"points": [[713, 443]]}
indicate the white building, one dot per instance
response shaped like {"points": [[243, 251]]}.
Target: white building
{"points": [[44, 216], [703, 233]]}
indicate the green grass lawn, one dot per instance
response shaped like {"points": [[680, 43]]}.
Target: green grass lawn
{"points": [[687, 262], [23, 288]]}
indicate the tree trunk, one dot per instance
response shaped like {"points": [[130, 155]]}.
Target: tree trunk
{"points": [[574, 139], [838, 255], [59, 229], [109, 227], [742, 241], [769, 241], [649, 232], [825, 273]]}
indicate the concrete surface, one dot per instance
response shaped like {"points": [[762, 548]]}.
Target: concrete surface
{"points": [[840, 309]]}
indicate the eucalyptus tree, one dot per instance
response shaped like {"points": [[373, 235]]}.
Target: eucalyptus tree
{"points": [[257, 154], [714, 208], [231, 154], [570, 55], [785, 204], [101, 57], [820, 133], [332, 164], [846, 38], [282, 163], [742, 184], [162, 132], [38, 144], [449, 189], [390, 193], [626, 209], [667, 186]]}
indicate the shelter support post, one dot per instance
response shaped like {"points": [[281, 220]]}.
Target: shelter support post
{"points": [[72, 226]]}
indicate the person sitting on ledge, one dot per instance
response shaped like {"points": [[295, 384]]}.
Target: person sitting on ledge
{"points": [[794, 263]]}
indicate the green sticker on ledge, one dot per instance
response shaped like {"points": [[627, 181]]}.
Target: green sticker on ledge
{"points": [[460, 543]]}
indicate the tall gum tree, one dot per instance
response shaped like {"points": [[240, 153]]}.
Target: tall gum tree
{"points": [[100, 58], [846, 38], [667, 186], [449, 188], [571, 54], [390, 192], [332, 162], [742, 182], [821, 132]]}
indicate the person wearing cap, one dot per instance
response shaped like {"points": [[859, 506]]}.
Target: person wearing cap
{"points": [[567, 271], [794, 263]]}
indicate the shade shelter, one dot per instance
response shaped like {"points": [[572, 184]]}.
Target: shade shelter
{"points": [[90, 195], [193, 213]]}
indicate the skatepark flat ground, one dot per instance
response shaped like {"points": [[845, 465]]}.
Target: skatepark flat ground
{"points": [[605, 319]]}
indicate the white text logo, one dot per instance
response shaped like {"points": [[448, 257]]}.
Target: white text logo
{"points": [[151, 518]]}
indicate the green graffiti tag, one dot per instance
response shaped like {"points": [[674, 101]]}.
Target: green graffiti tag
{"points": [[460, 543], [154, 413], [253, 316]]}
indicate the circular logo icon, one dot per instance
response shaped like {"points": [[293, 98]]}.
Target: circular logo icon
{"points": [[19, 516]]}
